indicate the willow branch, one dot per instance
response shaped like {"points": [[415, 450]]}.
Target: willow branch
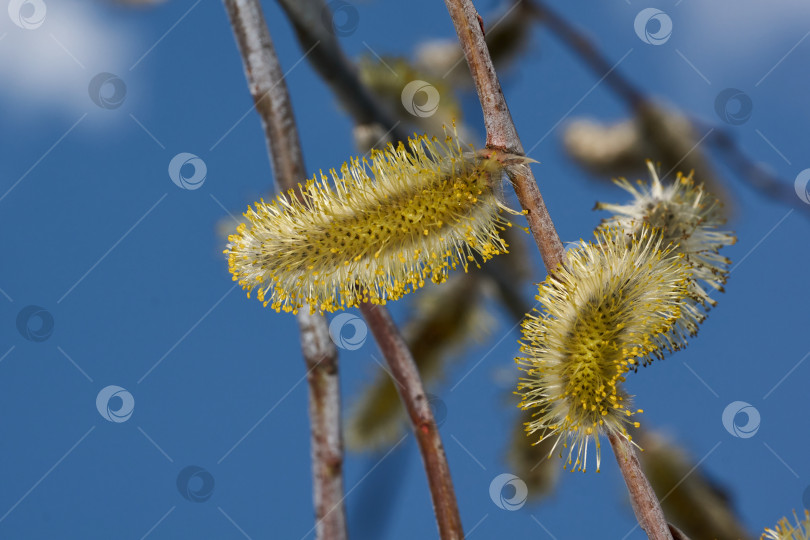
{"points": [[311, 20], [501, 132], [412, 393], [645, 503], [589, 53], [265, 80]]}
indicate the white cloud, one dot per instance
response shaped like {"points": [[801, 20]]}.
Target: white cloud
{"points": [[50, 65]]}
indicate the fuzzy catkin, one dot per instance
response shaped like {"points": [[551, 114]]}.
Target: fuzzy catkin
{"points": [[379, 231], [610, 308]]}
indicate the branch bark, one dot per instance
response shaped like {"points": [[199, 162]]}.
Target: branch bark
{"points": [[502, 134], [501, 131], [266, 84], [412, 393], [645, 503], [312, 21]]}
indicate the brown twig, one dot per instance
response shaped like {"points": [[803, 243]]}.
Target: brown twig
{"points": [[589, 53], [501, 131], [312, 20], [265, 80], [409, 384], [501, 134], [645, 503]]}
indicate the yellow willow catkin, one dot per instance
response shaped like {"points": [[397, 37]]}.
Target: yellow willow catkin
{"points": [[376, 233], [784, 530], [604, 313]]}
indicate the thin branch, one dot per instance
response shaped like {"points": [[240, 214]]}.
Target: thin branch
{"points": [[312, 21], [589, 53], [265, 80], [645, 503], [309, 18], [412, 394], [501, 131], [501, 134]]}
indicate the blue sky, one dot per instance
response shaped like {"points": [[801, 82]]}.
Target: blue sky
{"points": [[128, 266]]}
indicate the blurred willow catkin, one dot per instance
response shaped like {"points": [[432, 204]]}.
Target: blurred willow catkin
{"points": [[444, 321], [694, 503], [531, 461], [689, 220], [655, 133]]}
